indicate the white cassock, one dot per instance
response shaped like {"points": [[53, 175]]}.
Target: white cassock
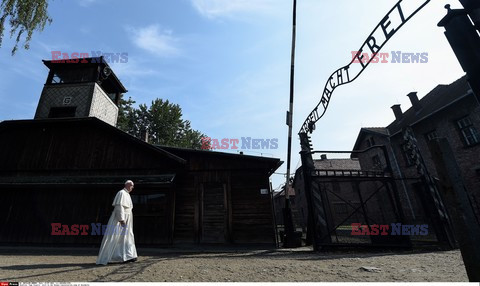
{"points": [[118, 244]]}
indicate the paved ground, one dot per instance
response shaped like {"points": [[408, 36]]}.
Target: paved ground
{"points": [[32, 264]]}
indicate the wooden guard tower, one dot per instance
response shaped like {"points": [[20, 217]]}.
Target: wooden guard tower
{"points": [[85, 88]]}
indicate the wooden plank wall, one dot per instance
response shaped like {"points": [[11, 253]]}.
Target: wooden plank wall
{"points": [[249, 220], [29, 213], [214, 213], [153, 219], [252, 218], [185, 205]]}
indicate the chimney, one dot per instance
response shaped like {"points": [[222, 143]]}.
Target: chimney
{"points": [[144, 135], [414, 100], [323, 157], [397, 110]]}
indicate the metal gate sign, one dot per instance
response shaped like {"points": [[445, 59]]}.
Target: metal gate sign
{"points": [[403, 11]]}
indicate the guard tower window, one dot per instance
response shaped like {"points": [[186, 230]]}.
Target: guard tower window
{"points": [[61, 112], [72, 75], [112, 96]]}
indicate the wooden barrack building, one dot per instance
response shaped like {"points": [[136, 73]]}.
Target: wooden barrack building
{"points": [[64, 167]]}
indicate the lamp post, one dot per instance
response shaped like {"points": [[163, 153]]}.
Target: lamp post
{"points": [[465, 43], [473, 9]]}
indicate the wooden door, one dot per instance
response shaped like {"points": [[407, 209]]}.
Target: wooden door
{"points": [[214, 213]]}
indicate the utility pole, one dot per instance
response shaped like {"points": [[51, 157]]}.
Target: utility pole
{"points": [[287, 211]]}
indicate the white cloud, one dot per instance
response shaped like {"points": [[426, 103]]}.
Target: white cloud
{"points": [[227, 8], [155, 40]]}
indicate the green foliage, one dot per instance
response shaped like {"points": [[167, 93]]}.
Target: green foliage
{"points": [[24, 17], [126, 115], [163, 122]]}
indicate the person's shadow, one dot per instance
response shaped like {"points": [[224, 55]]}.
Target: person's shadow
{"points": [[129, 270], [120, 271], [78, 266]]}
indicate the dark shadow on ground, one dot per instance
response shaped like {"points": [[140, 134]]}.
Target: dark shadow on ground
{"points": [[150, 256], [78, 266], [304, 253]]}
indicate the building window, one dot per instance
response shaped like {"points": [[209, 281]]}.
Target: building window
{"points": [[431, 135], [377, 164], [469, 132], [406, 155]]}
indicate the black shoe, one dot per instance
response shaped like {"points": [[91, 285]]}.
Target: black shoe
{"points": [[130, 260]]}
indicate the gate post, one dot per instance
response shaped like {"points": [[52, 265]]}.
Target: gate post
{"points": [[317, 222], [398, 204], [465, 224], [307, 169]]}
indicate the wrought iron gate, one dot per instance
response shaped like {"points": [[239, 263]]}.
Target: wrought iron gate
{"points": [[366, 208]]}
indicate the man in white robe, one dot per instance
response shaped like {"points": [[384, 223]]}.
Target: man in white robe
{"points": [[118, 244]]}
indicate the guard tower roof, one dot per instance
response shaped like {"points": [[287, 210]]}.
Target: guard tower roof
{"points": [[111, 82]]}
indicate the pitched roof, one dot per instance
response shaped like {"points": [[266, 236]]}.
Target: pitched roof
{"points": [[66, 142], [112, 79], [381, 131], [272, 164], [437, 99]]}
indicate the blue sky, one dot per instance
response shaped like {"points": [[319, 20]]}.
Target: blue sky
{"points": [[227, 63]]}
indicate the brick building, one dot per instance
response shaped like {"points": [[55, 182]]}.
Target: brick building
{"points": [[450, 111]]}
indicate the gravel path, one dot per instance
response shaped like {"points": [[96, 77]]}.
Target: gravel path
{"points": [[31, 264]]}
